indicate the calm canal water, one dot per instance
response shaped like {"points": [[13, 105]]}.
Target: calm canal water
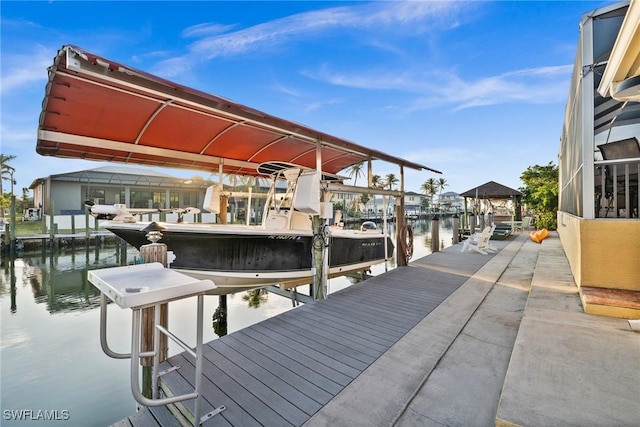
{"points": [[53, 370]]}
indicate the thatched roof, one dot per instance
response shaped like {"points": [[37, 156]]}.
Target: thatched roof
{"points": [[491, 190]]}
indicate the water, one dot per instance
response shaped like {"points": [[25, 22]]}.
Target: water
{"points": [[53, 370]]}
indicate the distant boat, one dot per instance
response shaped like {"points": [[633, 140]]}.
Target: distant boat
{"points": [[279, 251]]}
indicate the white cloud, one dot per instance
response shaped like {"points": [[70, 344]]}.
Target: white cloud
{"points": [[439, 88], [24, 69], [201, 30], [413, 16]]}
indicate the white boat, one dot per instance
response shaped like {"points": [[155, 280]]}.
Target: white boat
{"points": [[279, 251]]}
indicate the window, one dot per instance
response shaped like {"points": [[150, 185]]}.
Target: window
{"points": [[139, 199], [159, 199], [174, 199], [95, 195]]}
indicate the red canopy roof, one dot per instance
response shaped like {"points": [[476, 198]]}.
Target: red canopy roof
{"points": [[97, 109]]}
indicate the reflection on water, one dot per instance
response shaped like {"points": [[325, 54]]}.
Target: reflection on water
{"points": [[59, 280], [219, 318], [51, 357], [255, 298]]}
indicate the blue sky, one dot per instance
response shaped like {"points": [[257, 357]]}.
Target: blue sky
{"points": [[474, 89]]}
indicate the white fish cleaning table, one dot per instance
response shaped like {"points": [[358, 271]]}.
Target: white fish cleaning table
{"points": [[143, 286]]}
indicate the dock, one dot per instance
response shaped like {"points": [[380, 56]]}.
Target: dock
{"points": [[456, 339]]}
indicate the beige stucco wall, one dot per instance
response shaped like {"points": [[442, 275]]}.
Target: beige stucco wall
{"points": [[602, 252]]}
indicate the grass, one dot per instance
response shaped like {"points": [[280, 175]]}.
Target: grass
{"points": [[27, 228]]}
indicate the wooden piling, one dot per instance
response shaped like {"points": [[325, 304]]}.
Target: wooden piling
{"points": [[154, 252], [224, 202], [435, 234], [13, 223], [401, 258], [456, 229]]}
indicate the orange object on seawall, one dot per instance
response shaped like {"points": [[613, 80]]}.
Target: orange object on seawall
{"points": [[539, 235]]}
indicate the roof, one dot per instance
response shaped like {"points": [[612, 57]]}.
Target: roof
{"points": [[607, 29], [623, 65], [126, 171], [491, 190], [97, 109], [115, 175]]}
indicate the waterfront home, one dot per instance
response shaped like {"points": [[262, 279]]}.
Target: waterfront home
{"points": [[134, 187]]}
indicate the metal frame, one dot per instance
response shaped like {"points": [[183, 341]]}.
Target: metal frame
{"points": [[136, 355]]}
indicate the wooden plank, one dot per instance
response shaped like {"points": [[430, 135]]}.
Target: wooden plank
{"points": [[163, 416], [367, 320], [143, 419], [377, 314], [234, 402], [331, 334], [256, 371], [175, 383], [300, 383], [301, 362], [307, 350], [122, 423], [332, 349], [262, 392], [346, 328]]}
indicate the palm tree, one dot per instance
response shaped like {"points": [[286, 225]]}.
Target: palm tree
{"points": [[441, 184], [391, 180], [430, 188], [376, 182], [6, 174], [355, 171]]}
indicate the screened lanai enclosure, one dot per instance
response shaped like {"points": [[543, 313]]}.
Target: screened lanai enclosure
{"points": [[600, 154], [599, 162]]}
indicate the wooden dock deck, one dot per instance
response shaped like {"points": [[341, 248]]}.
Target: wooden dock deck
{"points": [[283, 370]]}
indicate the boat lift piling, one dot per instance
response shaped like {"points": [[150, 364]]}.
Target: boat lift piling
{"points": [[153, 252]]}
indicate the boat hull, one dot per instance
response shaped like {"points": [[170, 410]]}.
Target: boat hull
{"points": [[241, 258]]}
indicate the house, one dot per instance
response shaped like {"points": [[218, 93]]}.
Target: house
{"points": [[66, 193], [599, 163], [414, 203], [451, 202]]}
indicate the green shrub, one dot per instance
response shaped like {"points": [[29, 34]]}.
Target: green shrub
{"points": [[548, 220]]}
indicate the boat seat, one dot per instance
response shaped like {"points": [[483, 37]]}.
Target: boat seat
{"points": [[277, 219]]}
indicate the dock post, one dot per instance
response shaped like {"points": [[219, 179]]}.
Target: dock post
{"points": [[13, 223], [317, 252], [224, 202], [435, 234], [86, 227], [456, 229], [7, 231], [51, 225], [153, 252], [472, 224], [401, 259]]}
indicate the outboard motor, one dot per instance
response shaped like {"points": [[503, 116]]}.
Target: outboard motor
{"points": [[368, 226]]}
